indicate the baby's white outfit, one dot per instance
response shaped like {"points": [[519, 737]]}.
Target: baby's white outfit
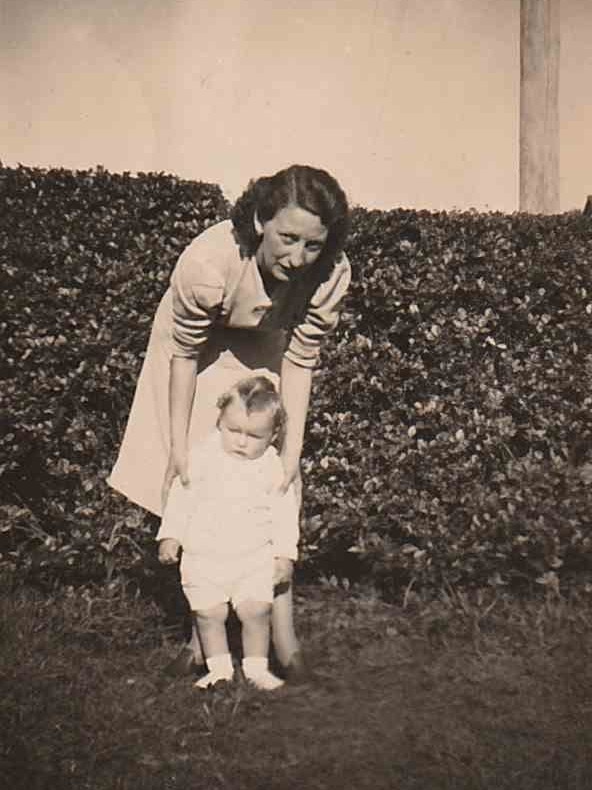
{"points": [[231, 525]]}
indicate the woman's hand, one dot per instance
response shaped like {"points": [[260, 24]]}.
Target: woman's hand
{"points": [[181, 394], [283, 570], [177, 467], [291, 476], [168, 551]]}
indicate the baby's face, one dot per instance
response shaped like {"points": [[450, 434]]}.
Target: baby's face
{"points": [[245, 435]]}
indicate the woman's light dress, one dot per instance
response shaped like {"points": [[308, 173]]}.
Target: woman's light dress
{"points": [[217, 309]]}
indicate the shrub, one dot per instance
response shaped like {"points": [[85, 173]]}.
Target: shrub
{"points": [[450, 438], [84, 259], [449, 435]]}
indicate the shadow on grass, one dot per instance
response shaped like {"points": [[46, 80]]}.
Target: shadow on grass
{"points": [[458, 693]]}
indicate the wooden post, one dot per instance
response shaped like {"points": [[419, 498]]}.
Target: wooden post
{"points": [[539, 106]]}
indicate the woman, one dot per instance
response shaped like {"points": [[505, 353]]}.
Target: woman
{"points": [[257, 292]]}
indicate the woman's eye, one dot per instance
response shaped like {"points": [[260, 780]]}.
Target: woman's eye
{"points": [[288, 239]]}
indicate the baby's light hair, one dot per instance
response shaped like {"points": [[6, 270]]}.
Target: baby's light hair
{"points": [[257, 393]]}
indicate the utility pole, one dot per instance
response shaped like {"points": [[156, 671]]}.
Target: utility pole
{"points": [[539, 106]]}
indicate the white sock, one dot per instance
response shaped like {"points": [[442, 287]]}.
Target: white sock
{"points": [[220, 668], [256, 670], [254, 665]]}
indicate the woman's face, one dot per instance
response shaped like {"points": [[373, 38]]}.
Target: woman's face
{"points": [[292, 240]]}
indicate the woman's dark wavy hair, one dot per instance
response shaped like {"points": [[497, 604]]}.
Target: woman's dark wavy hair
{"points": [[309, 188]]}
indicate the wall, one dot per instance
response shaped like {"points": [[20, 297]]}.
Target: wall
{"points": [[408, 103]]}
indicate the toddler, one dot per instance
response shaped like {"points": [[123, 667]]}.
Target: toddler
{"points": [[238, 535]]}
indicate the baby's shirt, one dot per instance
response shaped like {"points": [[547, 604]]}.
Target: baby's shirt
{"points": [[229, 509]]}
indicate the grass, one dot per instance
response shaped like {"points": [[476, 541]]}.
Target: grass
{"points": [[458, 693]]}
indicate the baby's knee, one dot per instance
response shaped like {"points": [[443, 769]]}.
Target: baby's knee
{"points": [[215, 614], [253, 610]]}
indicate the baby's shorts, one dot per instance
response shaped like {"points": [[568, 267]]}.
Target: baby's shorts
{"points": [[208, 582]]}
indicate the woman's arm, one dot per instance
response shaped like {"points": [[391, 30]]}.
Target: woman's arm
{"points": [[285, 533], [295, 386], [300, 358], [198, 284], [182, 381]]}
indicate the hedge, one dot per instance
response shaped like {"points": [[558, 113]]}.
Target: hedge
{"points": [[450, 429]]}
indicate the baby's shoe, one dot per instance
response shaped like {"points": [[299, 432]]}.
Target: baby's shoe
{"points": [[220, 671], [256, 671]]}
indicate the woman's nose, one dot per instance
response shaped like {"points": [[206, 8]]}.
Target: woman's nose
{"points": [[297, 256]]}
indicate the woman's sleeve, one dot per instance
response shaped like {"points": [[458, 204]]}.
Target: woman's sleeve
{"points": [[197, 285], [321, 317]]}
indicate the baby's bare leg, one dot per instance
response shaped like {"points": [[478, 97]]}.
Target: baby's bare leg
{"points": [[285, 641], [211, 624], [212, 631], [255, 620]]}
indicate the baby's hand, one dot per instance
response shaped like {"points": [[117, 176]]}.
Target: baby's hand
{"points": [[168, 551], [283, 568]]}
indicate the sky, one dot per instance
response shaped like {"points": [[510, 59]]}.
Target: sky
{"points": [[407, 103]]}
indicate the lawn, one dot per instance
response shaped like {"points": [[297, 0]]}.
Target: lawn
{"points": [[463, 692]]}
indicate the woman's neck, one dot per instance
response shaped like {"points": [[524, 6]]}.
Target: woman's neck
{"points": [[269, 282]]}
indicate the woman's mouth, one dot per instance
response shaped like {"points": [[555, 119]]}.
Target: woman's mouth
{"points": [[283, 271]]}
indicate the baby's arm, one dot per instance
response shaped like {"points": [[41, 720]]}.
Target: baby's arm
{"points": [[172, 527]]}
